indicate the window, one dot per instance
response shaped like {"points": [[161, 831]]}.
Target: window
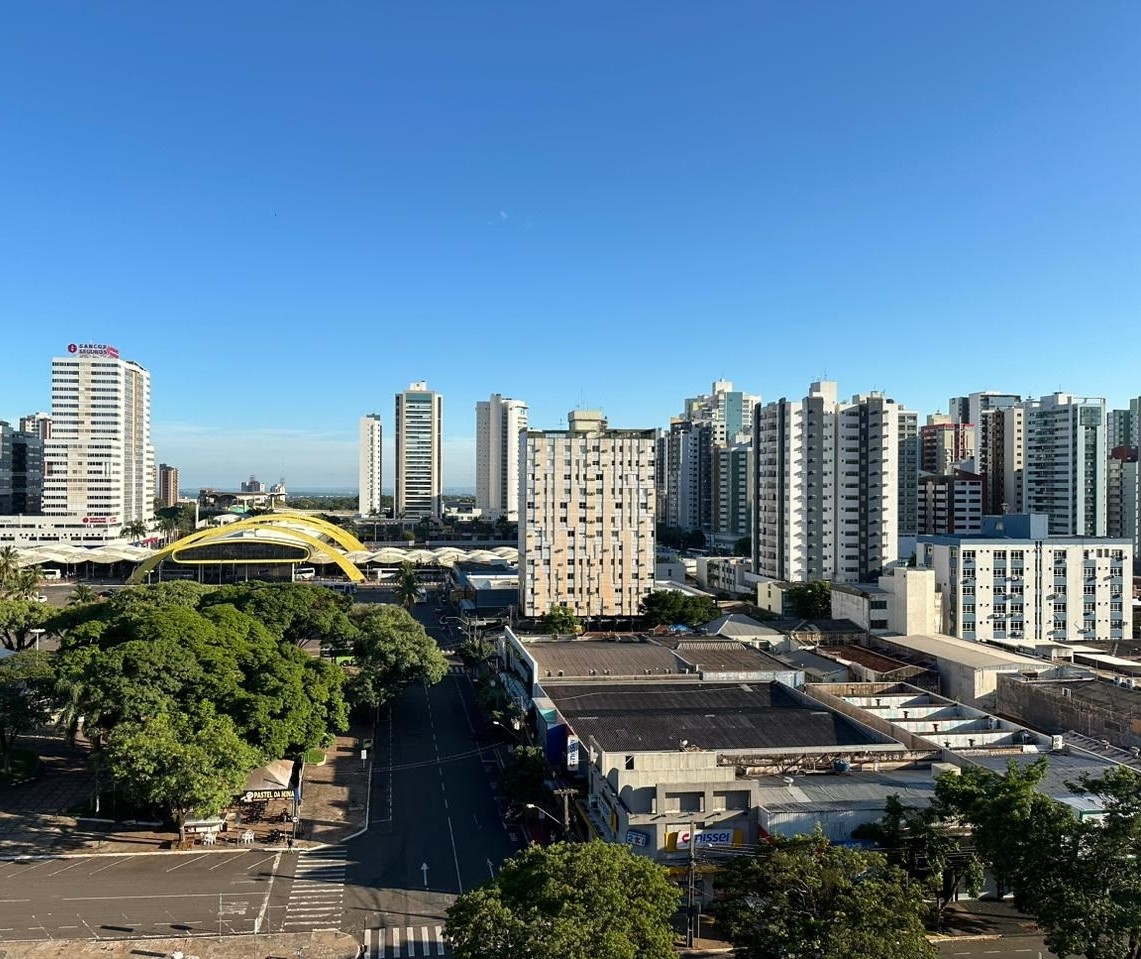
{"points": [[629, 762]]}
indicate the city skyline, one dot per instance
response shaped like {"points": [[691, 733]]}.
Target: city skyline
{"points": [[889, 197]]}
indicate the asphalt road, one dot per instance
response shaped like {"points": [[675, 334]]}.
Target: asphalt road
{"points": [[435, 826], [110, 896], [1018, 947]]}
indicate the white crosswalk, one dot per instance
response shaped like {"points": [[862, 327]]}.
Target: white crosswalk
{"points": [[396, 942], [457, 670], [316, 894]]}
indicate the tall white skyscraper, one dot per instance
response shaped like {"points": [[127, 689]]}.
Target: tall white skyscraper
{"points": [[836, 486], [1064, 475], [99, 462], [586, 518], [419, 428], [370, 465], [498, 422]]}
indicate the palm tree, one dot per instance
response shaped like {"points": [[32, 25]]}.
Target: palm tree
{"points": [[25, 583], [135, 529], [168, 526], [9, 564], [407, 589], [82, 595]]}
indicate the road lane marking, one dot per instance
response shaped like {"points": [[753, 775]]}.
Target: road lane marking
{"points": [[175, 895], [15, 900], [78, 862], [117, 862], [455, 855], [187, 862], [228, 860]]}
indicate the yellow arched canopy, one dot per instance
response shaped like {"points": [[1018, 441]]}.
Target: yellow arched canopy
{"points": [[255, 523]]}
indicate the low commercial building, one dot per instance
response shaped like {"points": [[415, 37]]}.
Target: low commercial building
{"points": [[667, 765], [1102, 709], [902, 601], [484, 589], [968, 672]]}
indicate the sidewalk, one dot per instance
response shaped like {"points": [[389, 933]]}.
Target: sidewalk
{"points": [[38, 819], [317, 945]]}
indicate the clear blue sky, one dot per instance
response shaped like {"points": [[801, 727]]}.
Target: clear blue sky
{"points": [[288, 211]]}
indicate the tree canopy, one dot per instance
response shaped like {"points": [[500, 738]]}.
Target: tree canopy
{"points": [[669, 607], [1079, 878], [18, 619], [390, 651], [591, 900], [28, 697], [807, 898], [811, 600], [560, 621]]}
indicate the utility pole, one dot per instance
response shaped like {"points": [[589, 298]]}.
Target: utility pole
{"points": [[564, 793], [691, 870]]}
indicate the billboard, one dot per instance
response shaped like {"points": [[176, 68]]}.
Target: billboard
{"points": [[92, 349]]}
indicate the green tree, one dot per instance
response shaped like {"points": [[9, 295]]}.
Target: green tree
{"points": [[390, 651], [192, 760], [135, 529], [525, 775], [1078, 878], [560, 621], [168, 526], [9, 565], [807, 898], [24, 583], [407, 587], [927, 847], [591, 900], [743, 546], [28, 697], [301, 613], [811, 600], [669, 607], [19, 618], [82, 595]]}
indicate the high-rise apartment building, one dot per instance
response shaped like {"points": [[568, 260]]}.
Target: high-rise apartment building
{"points": [[732, 491], [167, 484], [586, 518], [997, 444], [1064, 474], [1123, 475], [1013, 579], [498, 423], [720, 418], [39, 424], [99, 462], [370, 465], [835, 486], [945, 445], [950, 503], [419, 429]]}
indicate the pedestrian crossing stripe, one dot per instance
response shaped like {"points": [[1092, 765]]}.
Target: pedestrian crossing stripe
{"points": [[456, 670], [317, 893], [398, 942]]}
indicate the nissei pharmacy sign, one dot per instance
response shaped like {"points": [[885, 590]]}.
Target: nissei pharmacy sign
{"points": [[92, 349], [683, 838]]}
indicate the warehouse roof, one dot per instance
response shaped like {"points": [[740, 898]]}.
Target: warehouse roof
{"points": [[756, 716]]}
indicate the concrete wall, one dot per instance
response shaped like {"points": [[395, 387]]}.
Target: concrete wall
{"points": [[1045, 706]]}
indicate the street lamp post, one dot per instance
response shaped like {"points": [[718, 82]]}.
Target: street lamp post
{"points": [[539, 809]]}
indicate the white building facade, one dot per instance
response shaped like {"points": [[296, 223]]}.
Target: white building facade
{"points": [[498, 423], [1014, 580], [586, 518], [419, 428], [370, 462], [99, 464], [835, 486]]}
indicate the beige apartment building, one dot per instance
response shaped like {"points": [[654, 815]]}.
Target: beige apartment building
{"points": [[586, 518]]}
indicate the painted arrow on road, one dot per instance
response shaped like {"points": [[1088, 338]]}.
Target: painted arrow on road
{"points": [[490, 869], [424, 870]]}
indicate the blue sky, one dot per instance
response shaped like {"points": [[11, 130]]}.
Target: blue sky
{"points": [[289, 211]]}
